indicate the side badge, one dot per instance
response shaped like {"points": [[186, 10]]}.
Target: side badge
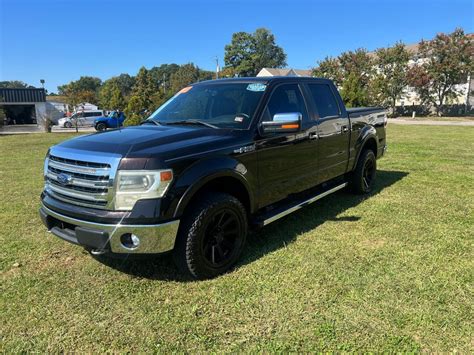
{"points": [[246, 149]]}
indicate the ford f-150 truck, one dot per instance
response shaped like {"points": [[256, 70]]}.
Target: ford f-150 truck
{"points": [[219, 158]]}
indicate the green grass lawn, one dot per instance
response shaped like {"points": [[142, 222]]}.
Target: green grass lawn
{"points": [[436, 118], [388, 272]]}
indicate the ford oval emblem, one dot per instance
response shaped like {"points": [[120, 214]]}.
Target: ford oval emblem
{"points": [[64, 179]]}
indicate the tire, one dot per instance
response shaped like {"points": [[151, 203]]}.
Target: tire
{"points": [[100, 127], [363, 177], [67, 125], [212, 236]]}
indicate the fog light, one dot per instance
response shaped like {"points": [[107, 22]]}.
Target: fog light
{"points": [[130, 241]]}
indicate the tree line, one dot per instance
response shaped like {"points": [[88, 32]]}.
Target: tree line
{"points": [[364, 78], [381, 77], [138, 95], [135, 95]]}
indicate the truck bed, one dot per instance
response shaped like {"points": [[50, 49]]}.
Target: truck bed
{"points": [[358, 111]]}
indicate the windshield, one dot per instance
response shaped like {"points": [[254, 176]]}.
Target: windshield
{"points": [[226, 105]]}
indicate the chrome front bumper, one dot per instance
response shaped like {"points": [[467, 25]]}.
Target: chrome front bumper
{"points": [[156, 238]]}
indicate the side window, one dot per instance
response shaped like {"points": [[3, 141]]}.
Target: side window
{"points": [[324, 99], [285, 99]]}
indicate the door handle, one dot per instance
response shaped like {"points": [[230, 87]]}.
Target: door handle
{"points": [[313, 135], [344, 129]]}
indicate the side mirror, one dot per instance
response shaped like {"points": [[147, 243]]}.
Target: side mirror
{"points": [[283, 122]]}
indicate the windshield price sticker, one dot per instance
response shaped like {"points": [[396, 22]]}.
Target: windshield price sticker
{"points": [[256, 87]]}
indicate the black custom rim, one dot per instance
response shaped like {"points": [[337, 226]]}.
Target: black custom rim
{"points": [[368, 173], [222, 239]]}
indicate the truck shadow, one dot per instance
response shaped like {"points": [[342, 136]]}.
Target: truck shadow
{"points": [[266, 240]]}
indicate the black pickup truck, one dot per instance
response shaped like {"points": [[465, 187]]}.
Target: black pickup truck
{"points": [[217, 159]]}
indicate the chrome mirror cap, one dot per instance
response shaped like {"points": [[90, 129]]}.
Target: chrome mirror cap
{"points": [[283, 122]]}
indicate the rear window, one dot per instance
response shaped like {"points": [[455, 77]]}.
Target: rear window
{"points": [[324, 99]]}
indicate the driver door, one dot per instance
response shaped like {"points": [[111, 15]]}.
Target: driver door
{"points": [[287, 162]]}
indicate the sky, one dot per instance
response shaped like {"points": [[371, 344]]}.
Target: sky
{"points": [[61, 40]]}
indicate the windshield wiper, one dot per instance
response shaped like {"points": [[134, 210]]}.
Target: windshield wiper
{"points": [[194, 122], [150, 120]]}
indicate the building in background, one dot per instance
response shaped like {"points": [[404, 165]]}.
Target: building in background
{"points": [[59, 103], [26, 110], [284, 72]]}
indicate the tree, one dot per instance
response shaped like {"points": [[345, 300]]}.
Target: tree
{"points": [[108, 95], [267, 53], [354, 92], [352, 72], [248, 53], [162, 75], [391, 77], [125, 83], [330, 68], [14, 84], [117, 101], [227, 72], [142, 97], [185, 75], [83, 90], [134, 111], [359, 63], [445, 62]]}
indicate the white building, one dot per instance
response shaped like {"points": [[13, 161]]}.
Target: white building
{"points": [[284, 72]]}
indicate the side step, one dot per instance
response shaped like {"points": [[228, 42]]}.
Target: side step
{"points": [[279, 213]]}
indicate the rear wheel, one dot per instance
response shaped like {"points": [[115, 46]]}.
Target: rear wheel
{"points": [[363, 177], [100, 127], [212, 236]]}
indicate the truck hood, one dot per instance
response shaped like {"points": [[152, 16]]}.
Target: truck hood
{"points": [[147, 141]]}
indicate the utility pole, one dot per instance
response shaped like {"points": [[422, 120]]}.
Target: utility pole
{"points": [[217, 67]]}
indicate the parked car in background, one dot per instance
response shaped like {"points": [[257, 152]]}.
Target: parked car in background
{"points": [[83, 118], [114, 119]]}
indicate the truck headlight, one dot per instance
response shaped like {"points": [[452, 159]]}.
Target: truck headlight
{"points": [[134, 185]]}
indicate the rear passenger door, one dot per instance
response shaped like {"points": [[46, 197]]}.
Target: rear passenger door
{"points": [[333, 131]]}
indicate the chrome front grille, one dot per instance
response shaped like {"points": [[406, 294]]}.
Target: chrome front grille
{"points": [[80, 179]]}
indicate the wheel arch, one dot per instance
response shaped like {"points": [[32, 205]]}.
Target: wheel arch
{"points": [[368, 140], [227, 181]]}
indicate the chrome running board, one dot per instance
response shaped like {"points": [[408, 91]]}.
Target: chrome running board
{"points": [[303, 204]]}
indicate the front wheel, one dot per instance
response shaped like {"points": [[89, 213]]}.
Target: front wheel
{"points": [[100, 127], [67, 125], [363, 177], [212, 236]]}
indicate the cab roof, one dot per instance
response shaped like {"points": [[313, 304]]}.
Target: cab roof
{"points": [[264, 79]]}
